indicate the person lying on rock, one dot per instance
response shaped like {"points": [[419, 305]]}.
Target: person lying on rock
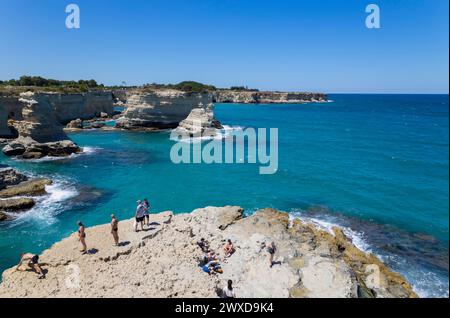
{"points": [[212, 267], [32, 262], [228, 248]]}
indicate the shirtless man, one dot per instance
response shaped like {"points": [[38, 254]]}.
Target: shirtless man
{"points": [[82, 237], [32, 262], [115, 229]]}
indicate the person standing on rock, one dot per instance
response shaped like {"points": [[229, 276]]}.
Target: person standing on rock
{"points": [[140, 212], [271, 249], [82, 237], [146, 212], [115, 229], [33, 263]]}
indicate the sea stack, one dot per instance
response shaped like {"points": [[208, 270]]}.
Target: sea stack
{"points": [[200, 121], [161, 108]]}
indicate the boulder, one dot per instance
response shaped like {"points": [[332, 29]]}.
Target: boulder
{"points": [[27, 148], [13, 205], [34, 187], [3, 216], [14, 149], [9, 176]]}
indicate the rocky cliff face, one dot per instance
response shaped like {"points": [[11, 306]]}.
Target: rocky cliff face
{"points": [[63, 107], [163, 261], [68, 107], [40, 133], [161, 108], [245, 97], [10, 109]]}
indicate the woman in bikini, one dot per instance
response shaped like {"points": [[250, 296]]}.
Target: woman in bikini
{"points": [[228, 249], [82, 237], [115, 229]]}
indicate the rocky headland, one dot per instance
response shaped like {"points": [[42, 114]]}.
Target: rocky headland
{"points": [[256, 97], [163, 261]]}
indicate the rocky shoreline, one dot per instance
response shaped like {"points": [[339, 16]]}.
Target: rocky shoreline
{"points": [[163, 261], [18, 192]]}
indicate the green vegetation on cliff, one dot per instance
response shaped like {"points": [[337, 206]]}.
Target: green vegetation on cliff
{"points": [[40, 84], [186, 86]]}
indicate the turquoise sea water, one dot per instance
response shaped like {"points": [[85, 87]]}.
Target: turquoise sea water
{"points": [[377, 165]]}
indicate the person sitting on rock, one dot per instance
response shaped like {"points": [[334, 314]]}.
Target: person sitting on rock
{"points": [[211, 256], [228, 249], [32, 262], [204, 245]]}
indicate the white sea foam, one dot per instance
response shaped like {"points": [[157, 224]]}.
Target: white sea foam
{"points": [[48, 206], [357, 238], [219, 134], [85, 151]]}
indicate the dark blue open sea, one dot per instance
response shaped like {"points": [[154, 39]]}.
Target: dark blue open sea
{"points": [[377, 165]]}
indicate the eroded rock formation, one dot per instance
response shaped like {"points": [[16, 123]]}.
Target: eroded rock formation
{"points": [[164, 261], [160, 108], [200, 121], [64, 107], [40, 133]]}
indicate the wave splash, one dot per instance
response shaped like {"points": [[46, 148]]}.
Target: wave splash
{"points": [[49, 206]]}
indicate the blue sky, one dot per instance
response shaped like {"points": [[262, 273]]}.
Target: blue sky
{"points": [[319, 45]]}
